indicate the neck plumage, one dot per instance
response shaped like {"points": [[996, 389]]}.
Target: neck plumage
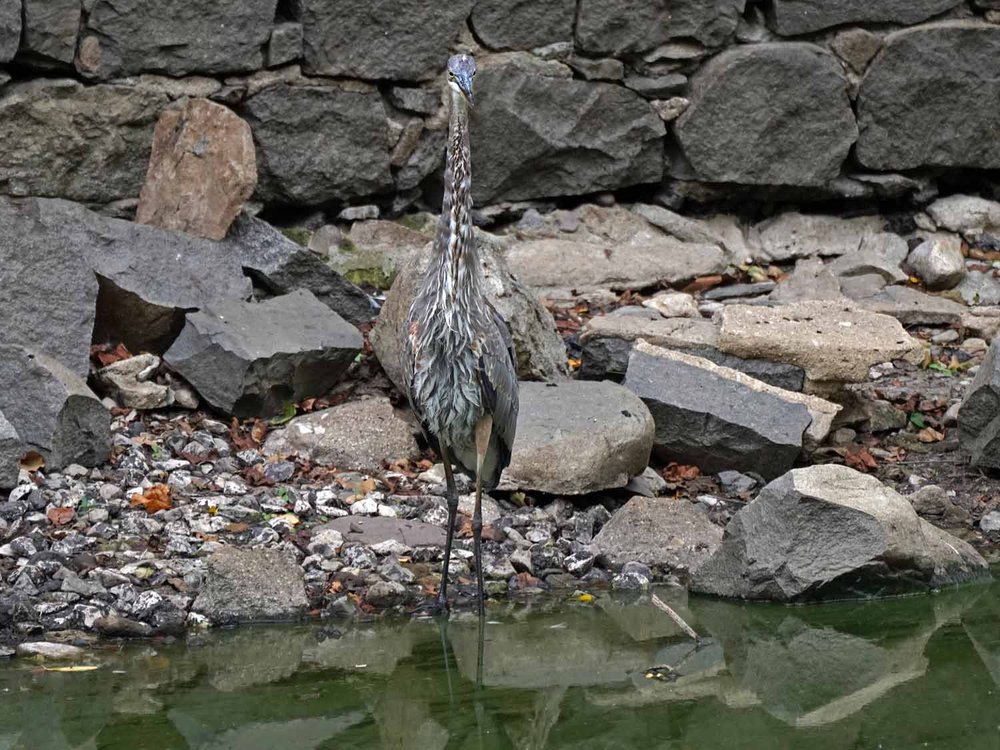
{"points": [[455, 261]]}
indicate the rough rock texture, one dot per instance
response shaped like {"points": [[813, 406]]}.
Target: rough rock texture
{"points": [[793, 17], [252, 358], [356, 435], [794, 235], [921, 101], [11, 451], [640, 25], [912, 307], [832, 342], [374, 251], [282, 266], [88, 143], [202, 170], [578, 437], [285, 44], [979, 414], [251, 585], [49, 29], [395, 39], [582, 136], [317, 144], [124, 37], [881, 254], [613, 249], [968, 214], [672, 534], [719, 419], [541, 354], [523, 24], [129, 382], [375, 530], [10, 29], [830, 532], [768, 114], [40, 271], [53, 411], [607, 342], [939, 262]]}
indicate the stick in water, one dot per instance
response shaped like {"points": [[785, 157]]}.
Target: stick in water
{"points": [[662, 605]]}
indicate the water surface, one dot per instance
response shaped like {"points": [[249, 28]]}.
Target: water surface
{"points": [[905, 673]]}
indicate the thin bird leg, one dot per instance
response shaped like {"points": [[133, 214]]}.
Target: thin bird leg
{"points": [[483, 429], [442, 598]]}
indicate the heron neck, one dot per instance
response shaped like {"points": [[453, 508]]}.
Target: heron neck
{"points": [[455, 248]]}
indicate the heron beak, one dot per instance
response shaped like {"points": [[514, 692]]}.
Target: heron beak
{"points": [[465, 84]]}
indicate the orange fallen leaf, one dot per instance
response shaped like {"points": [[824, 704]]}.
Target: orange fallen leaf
{"points": [[60, 516], [104, 354], [155, 499], [861, 460], [702, 283], [675, 472], [930, 435], [31, 461]]}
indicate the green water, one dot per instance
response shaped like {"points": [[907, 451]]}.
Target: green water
{"points": [[906, 673]]}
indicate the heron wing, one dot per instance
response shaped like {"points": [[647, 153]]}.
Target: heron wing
{"points": [[498, 382]]}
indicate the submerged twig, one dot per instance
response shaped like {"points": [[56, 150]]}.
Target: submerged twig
{"points": [[688, 630]]}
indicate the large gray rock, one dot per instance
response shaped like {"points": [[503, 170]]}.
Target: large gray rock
{"points": [[251, 585], [125, 37], [921, 102], [968, 214], [130, 382], [717, 418], [319, 143], [541, 354], [912, 307], [938, 261], [399, 40], [282, 266], [578, 437], [41, 270], [50, 28], [11, 451], [374, 530], [42, 151], [794, 235], [980, 288], [768, 114], [357, 435], [53, 411], [640, 25], [607, 342], [979, 414], [253, 358], [793, 17], [831, 532], [10, 29], [523, 24], [671, 534], [582, 136], [833, 342]]}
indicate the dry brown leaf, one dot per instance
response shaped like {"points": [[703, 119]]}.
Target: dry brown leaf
{"points": [[31, 461], [259, 431], [675, 472], [104, 354], [930, 435], [60, 516], [861, 460], [702, 283], [155, 499]]}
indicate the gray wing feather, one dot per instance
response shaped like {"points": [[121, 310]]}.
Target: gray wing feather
{"points": [[498, 380]]}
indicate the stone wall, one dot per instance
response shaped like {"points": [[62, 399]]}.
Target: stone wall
{"points": [[857, 99]]}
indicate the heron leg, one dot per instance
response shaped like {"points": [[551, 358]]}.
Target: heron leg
{"points": [[442, 598], [484, 427]]}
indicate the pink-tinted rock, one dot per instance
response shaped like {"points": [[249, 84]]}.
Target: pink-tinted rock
{"points": [[202, 170]]}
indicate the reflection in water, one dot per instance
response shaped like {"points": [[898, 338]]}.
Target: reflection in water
{"points": [[919, 672]]}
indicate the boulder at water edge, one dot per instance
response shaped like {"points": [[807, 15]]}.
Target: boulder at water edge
{"points": [[829, 532], [251, 585], [979, 414]]}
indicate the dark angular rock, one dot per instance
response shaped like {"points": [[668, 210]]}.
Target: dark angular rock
{"points": [[425, 101], [126, 37], [771, 114], [282, 266], [10, 29], [285, 44], [42, 151], [52, 410], [251, 585], [670, 534], [319, 143], [404, 40], [252, 358], [11, 450], [656, 87], [793, 17], [50, 28], [831, 532], [639, 25], [582, 136], [979, 414], [709, 419], [921, 102], [523, 24]]}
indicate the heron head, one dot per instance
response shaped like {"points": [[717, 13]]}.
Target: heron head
{"points": [[461, 71]]}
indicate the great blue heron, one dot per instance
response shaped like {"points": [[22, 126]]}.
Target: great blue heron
{"points": [[458, 359]]}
